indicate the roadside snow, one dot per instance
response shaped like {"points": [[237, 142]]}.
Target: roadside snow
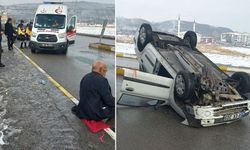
{"points": [[216, 58], [229, 60], [125, 48], [239, 49], [96, 30]]}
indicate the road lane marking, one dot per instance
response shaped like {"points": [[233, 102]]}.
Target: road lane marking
{"points": [[110, 132]]}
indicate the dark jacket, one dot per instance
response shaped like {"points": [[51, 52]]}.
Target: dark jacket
{"points": [[0, 30], [9, 31], [96, 100]]}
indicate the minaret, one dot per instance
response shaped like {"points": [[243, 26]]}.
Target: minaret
{"points": [[194, 26], [179, 26]]}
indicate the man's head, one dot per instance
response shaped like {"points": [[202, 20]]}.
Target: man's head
{"points": [[9, 20], [22, 22], [99, 67]]}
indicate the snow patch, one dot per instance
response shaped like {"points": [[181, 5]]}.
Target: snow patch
{"points": [[125, 48], [95, 30], [236, 61], [242, 50], [6, 130]]}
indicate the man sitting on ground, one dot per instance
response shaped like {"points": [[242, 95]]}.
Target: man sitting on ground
{"points": [[96, 100]]}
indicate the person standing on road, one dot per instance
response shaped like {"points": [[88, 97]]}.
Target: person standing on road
{"points": [[1, 49], [28, 31], [21, 34], [96, 100], [9, 32]]}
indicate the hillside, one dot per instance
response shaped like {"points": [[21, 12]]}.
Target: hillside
{"points": [[89, 12], [127, 26]]}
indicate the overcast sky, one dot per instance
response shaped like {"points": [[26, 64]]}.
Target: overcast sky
{"points": [[234, 14], [9, 2]]}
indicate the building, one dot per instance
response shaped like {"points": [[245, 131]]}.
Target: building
{"points": [[235, 38], [207, 40]]}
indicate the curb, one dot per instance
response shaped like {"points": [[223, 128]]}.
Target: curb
{"points": [[102, 46], [234, 69], [126, 56], [110, 132]]}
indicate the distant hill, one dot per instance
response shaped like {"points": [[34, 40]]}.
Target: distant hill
{"points": [[129, 26], [89, 12]]}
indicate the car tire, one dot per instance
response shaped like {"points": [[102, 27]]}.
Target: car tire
{"points": [[244, 82], [145, 36], [190, 38], [184, 86], [33, 50]]}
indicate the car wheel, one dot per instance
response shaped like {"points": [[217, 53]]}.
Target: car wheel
{"points": [[33, 50], [244, 82], [184, 85], [190, 38], [145, 36]]}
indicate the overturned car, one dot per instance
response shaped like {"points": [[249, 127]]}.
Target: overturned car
{"points": [[174, 72]]}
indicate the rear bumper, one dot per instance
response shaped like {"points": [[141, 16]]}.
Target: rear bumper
{"points": [[48, 46], [205, 116]]}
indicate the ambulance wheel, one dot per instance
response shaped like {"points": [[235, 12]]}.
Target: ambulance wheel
{"points": [[33, 50], [64, 52]]}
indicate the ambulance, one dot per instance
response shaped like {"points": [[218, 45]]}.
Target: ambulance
{"points": [[53, 29]]}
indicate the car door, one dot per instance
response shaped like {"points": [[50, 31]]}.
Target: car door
{"points": [[71, 29], [148, 59], [144, 89]]}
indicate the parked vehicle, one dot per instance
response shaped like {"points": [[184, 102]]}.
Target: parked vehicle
{"points": [[53, 29], [174, 72]]}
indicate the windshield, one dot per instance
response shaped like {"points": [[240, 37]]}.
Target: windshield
{"points": [[50, 21]]}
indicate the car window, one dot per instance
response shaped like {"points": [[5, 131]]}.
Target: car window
{"points": [[160, 70]]}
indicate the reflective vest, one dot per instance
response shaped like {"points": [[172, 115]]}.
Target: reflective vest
{"points": [[20, 30], [28, 31]]}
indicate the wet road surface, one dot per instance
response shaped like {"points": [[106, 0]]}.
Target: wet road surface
{"points": [[68, 71], [161, 129]]}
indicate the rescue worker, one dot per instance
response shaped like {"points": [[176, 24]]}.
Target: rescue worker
{"points": [[96, 100], [1, 49], [21, 34], [9, 32], [28, 31]]}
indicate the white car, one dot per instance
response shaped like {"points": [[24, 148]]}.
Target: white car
{"points": [[174, 72]]}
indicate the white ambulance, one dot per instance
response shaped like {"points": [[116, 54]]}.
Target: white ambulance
{"points": [[52, 29]]}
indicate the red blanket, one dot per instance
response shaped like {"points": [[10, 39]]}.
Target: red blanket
{"points": [[95, 126]]}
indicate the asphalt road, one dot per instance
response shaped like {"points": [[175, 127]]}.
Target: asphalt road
{"points": [[69, 69], [161, 129]]}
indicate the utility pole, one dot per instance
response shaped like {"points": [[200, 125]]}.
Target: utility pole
{"points": [[179, 26], [194, 26]]}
